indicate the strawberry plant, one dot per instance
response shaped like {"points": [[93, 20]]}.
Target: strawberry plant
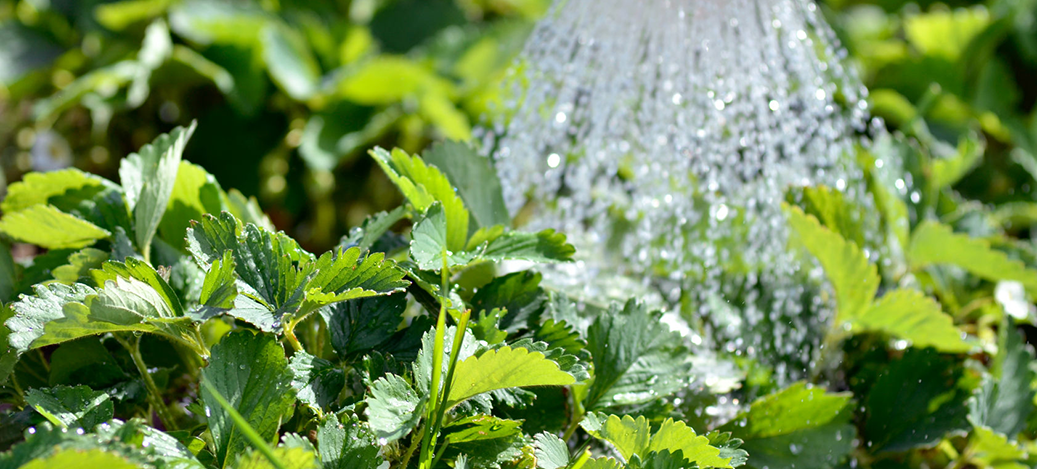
{"points": [[168, 324]]}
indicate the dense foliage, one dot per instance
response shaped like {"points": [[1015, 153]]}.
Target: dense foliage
{"points": [[152, 318], [294, 91]]}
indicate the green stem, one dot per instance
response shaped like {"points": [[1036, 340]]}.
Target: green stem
{"points": [[573, 425], [154, 395], [455, 350], [289, 334], [428, 440], [578, 412], [439, 454], [414, 442], [202, 350]]}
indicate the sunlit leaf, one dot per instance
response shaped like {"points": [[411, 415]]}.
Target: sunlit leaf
{"points": [[934, 243], [504, 368], [48, 227], [251, 371]]}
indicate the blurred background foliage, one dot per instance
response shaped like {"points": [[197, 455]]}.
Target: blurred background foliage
{"points": [[290, 93], [287, 93]]}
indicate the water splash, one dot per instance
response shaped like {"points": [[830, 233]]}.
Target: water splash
{"points": [[663, 135]]}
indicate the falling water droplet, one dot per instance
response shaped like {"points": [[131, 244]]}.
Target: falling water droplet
{"points": [[690, 127]]}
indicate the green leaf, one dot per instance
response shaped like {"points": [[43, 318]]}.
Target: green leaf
{"points": [[372, 229], [636, 358], [290, 62], [484, 326], [32, 313], [633, 437], [429, 242], [935, 243], [393, 408], [439, 110], [550, 451], [914, 403], [289, 458], [48, 227], [195, 193], [543, 246], [267, 265], [504, 368], [218, 288], [358, 326], [945, 172], [119, 15], [496, 452], [422, 185], [389, 79], [107, 78], [1005, 400], [730, 447], [277, 277], [475, 179], [993, 449], [9, 354], [674, 436], [148, 177], [349, 274], [480, 427], [247, 210], [89, 459], [792, 409], [855, 280], [799, 426], [945, 34], [573, 364], [518, 294], [892, 208], [909, 314], [140, 270], [79, 265], [71, 407], [125, 304], [423, 363], [835, 212], [85, 362], [316, 381], [347, 445], [62, 188], [601, 463], [252, 372], [141, 445], [154, 52], [220, 23]]}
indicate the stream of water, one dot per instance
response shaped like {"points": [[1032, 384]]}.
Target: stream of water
{"points": [[662, 136]]}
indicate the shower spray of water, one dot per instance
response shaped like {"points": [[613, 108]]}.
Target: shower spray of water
{"points": [[662, 136]]}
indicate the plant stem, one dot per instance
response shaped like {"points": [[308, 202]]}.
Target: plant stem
{"points": [[578, 413], [428, 440], [414, 442], [154, 395], [439, 454], [573, 425], [289, 333], [455, 350]]}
